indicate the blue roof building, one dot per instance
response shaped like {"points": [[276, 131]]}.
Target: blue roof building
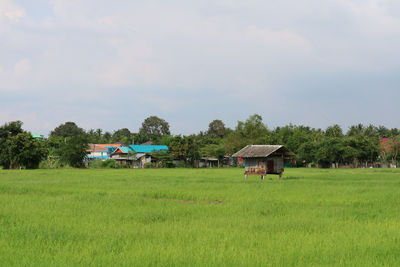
{"points": [[148, 148]]}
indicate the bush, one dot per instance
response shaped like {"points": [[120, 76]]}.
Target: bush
{"points": [[149, 165], [100, 164], [53, 163]]}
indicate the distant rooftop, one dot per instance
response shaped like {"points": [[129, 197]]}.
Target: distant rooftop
{"points": [[123, 149], [37, 136], [259, 151], [148, 148]]}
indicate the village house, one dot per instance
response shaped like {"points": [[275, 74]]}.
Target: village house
{"points": [[136, 156], [264, 159], [144, 153], [101, 151], [208, 162], [124, 155]]}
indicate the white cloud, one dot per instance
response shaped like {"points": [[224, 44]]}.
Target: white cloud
{"points": [[17, 78], [22, 68], [372, 16], [10, 11]]}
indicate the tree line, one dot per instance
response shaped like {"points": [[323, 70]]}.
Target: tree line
{"points": [[68, 143]]}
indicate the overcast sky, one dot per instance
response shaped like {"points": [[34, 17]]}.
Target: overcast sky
{"points": [[110, 64]]}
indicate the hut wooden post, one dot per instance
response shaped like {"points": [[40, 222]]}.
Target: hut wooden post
{"points": [[283, 162]]}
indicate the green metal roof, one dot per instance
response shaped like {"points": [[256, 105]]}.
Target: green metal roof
{"points": [[37, 136], [124, 149]]}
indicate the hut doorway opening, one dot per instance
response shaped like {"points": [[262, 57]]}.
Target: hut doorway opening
{"points": [[270, 166]]}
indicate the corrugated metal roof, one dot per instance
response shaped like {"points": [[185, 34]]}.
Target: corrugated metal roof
{"points": [[108, 145], [101, 147], [123, 149], [148, 148], [262, 151]]}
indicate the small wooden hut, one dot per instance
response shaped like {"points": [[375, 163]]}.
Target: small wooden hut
{"points": [[264, 159]]}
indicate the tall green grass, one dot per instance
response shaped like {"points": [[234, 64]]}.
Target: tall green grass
{"points": [[199, 217]]}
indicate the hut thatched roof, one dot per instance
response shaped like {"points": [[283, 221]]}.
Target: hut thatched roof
{"points": [[262, 151]]}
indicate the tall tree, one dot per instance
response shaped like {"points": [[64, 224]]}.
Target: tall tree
{"points": [[356, 130], [95, 136], [383, 132], [122, 135], [253, 130], [394, 149], [234, 142], [296, 136], [106, 138], [329, 151], [154, 127], [24, 151], [216, 128], [371, 131], [67, 129], [334, 131], [6, 131], [250, 132], [72, 150], [185, 148], [18, 148], [306, 153]]}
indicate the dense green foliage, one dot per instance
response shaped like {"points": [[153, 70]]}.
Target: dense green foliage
{"points": [[153, 128], [199, 217], [107, 164], [358, 147], [18, 149], [73, 151], [217, 129], [24, 151], [68, 129], [316, 147], [67, 151]]}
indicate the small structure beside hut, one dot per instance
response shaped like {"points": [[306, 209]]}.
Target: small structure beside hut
{"points": [[264, 159], [208, 162]]}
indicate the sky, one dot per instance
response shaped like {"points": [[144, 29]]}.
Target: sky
{"points": [[111, 64]]}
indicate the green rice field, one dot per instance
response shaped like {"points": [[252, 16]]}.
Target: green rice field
{"points": [[199, 217]]}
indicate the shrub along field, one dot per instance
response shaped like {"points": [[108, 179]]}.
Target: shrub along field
{"points": [[149, 217]]}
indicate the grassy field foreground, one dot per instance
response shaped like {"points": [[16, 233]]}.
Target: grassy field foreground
{"points": [[212, 217]]}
